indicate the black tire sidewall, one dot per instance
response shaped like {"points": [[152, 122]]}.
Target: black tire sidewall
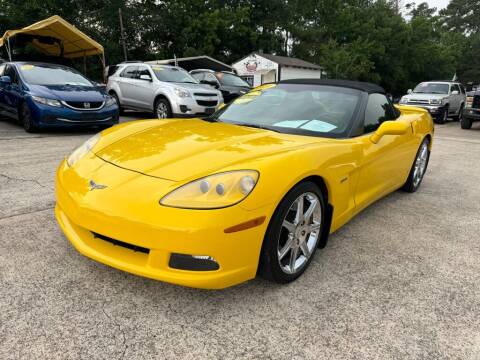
{"points": [[269, 265], [26, 117], [466, 123], [409, 185]]}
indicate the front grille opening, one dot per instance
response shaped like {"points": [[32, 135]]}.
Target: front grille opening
{"points": [[192, 262], [135, 248], [207, 103]]}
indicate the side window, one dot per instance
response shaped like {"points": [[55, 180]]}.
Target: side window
{"points": [[129, 72], [462, 89], [198, 76], [211, 78], [455, 87], [10, 71], [143, 70], [378, 110]]}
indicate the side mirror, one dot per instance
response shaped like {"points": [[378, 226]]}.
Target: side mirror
{"points": [[5, 80], [389, 128], [409, 91], [145, 77], [455, 92]]}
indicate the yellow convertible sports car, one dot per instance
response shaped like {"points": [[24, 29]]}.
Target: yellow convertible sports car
{"points": [[253, 189]]}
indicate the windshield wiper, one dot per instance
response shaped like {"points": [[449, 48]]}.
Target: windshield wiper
{"points": [[256, 126]]}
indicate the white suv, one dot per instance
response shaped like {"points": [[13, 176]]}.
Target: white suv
{"points": [[441, 98], [168, 91]]}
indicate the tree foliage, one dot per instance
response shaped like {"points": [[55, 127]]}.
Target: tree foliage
{"points": [[356, 39]]}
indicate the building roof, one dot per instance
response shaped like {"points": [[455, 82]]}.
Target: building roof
{"points": [[289, 61], [195, 62], [358, 85]]}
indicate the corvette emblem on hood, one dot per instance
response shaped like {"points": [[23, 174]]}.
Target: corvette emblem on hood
{"points": [[94, 186]]}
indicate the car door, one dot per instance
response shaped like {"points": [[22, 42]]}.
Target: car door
{"points": [[386, 164], [11, 92], [125, 84], [143, 88], [455, 96]]}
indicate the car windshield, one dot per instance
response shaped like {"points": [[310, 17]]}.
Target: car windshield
{"points": [[316, 110], [52, 75], [170, 74], [431, 88], [231, 80]]}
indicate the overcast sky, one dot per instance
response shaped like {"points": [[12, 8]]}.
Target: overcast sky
{"points": [[439, 4]]}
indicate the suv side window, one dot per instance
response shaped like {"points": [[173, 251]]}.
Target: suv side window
{"points": [[198, 76], [378, 110], [142, 70], [211, 78], [462, 89], [129, 72], [10, 71], [455, 87]]}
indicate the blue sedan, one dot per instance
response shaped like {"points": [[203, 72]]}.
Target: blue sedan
{"points": [[40, 95]]}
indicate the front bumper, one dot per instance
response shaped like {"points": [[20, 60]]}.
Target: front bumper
{"points": [[432, 109], [48, 116], [190, 107], [129, 217], [472, 114]]}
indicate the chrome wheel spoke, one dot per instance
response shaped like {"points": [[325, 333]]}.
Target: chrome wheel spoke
{"points": [[305, 249], [299, 213], [293, 259], [308, 214], [313, 227], [286, 248], [288, 225]]}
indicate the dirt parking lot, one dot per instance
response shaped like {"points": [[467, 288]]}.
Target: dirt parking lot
{"points": [[401, 281]]}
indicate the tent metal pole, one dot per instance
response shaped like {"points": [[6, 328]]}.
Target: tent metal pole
{"points": [[9, 50]]}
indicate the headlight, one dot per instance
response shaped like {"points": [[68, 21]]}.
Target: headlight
{"points": [[79, 152], [403, 100], [435, 101], [181, 93], [214, 191], [110, 101], [46, 101]]}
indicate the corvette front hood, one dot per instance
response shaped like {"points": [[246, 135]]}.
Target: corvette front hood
{"points": [[187, 149]]}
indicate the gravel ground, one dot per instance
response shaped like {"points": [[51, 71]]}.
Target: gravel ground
{"points": [[400, 281]]}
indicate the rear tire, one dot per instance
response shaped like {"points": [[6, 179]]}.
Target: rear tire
{"points": [[466, 123], [459, 116], [26, 119], [419, 168], [293, 234]]}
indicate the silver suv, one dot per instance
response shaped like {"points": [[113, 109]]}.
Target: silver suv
{"points": [[441, 98], [168, 91]]}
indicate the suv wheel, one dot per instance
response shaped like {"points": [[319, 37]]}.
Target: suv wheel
{"points": [[442, 118], [162, 109], [465, 123], [117, 100]]}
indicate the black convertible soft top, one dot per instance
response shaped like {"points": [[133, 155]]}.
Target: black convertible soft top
{"points": [[358, 85]]}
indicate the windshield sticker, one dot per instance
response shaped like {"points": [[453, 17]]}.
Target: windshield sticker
{"points": [[26, 67]]}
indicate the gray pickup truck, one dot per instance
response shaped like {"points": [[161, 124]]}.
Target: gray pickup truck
{"points": [[442, 99]]}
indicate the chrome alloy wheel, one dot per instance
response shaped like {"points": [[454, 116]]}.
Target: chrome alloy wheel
{"points": [[299, 233], [420, 164], [162, 110]]}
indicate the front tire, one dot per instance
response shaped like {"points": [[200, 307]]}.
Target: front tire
{"points": [[418, 169], [443, 117], [163, 109], [293, 234], [26, 119], [466, 123], [121, 111]]}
